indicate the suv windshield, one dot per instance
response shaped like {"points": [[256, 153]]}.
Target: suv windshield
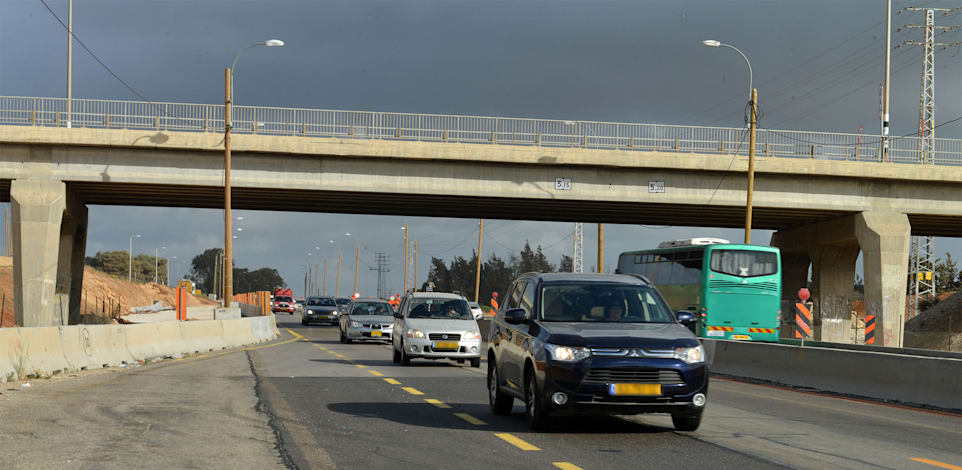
{"points": [[342, 300], [744, 263], [282, 299], [372, 308], [603, 303], [451, 309], [323, 302]]}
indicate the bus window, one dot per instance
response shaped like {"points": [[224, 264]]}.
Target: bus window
{"points": [[744, 263]]}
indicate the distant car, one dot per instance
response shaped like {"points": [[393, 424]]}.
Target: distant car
{"points": [[342, 304], [299, 305], [282, 304], [476, 310], [434, 325], [566, 343], [367, 320], [320, 310]]}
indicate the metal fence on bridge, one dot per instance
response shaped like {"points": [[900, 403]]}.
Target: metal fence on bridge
{"points": [[186, 117]]}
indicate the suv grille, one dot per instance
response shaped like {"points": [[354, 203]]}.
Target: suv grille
{"points": [[655, 376], [450, 336]]}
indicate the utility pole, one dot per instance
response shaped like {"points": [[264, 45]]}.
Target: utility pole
{"points": [[751, 167], [477, 277], [415, 284], [601, 248], [923, 247], [324, 292], [69, 62], [578, 260], [357, 258], [405, 259], [228, 231], [888, 76], [383, 262], [337, 288]]}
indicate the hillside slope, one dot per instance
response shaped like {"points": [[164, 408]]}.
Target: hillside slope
{"points": [[939, 327], [103, 296]]}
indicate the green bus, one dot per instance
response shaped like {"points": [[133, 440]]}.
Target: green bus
{"points": [[734, 290]]}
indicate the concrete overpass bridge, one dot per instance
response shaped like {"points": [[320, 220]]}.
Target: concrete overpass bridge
{"points": [[826, 194]]}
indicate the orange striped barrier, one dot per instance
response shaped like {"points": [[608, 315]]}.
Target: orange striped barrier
{"points": [[721, 328], [761, 330], [803, 320], [869, 329]]}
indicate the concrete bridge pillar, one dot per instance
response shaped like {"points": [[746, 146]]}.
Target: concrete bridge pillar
{"points": [[832, 248], [49, 237]]}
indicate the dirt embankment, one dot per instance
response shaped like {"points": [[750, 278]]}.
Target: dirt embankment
{"points": [[939, 327], [103, 296]]}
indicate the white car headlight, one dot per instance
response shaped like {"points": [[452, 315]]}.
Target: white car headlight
{"points": [[310, 311], [690, 355], [567, 353], [415, 334], [355, 325], [471, 336]]}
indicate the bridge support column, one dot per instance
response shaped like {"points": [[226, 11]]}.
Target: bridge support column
{"points": [[833, 246], [49, 237]]}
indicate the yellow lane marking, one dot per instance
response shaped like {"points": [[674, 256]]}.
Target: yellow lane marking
{"points": [[436, 402], [331, 352], [391, 381], [936, 463], [511, 439], [293, 333], [362, 366], [375, 373], [470, 419], [566, 466], [412, 390]]}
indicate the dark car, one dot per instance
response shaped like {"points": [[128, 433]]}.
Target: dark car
{"points": [[567, 343], [342, 304], [320, 310]]}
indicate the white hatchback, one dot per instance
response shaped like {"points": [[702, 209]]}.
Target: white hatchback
{"points": [[433, 325]]}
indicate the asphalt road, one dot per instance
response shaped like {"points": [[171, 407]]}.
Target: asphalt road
{"points": [[349, 406], [306, 401]]}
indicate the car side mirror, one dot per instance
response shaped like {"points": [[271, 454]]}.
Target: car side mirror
{"points": [[516, 316], [686, 318], [398, 315]]}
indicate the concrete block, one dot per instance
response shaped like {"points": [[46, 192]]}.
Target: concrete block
{"points": [[39, 351], [154, 340], [202, 336], [10, 350], [227, 313], [107, 344], [237, 332]]}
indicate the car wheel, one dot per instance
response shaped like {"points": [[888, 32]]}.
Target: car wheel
{"points": [[688, 422], [405, 359], [476, 363], [501, 403], [534, 411], [397, 355]]}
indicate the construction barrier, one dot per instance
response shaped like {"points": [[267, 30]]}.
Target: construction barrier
{"points": [[803, 320], [49, 350], [261, 299], [869, 329]]}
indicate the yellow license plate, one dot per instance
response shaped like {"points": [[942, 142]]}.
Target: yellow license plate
{"points": [[324, 317], [635, 389], [445, 345], [741, 337], [375, 334]]}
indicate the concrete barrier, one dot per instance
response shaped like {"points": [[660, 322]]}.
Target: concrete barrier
{"points": [[48, 350], [909, 379]]}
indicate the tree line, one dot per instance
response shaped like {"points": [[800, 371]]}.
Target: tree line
{"points": [[118, 263], [497, 273], [202, 272]]}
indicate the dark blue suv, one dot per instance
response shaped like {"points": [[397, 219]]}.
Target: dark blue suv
{"points": [[566, 343]]}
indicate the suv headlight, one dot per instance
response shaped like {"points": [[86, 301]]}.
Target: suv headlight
{"points": [[310, 311], [690, 355], [471, 336], [567, 353], [415, 334]]}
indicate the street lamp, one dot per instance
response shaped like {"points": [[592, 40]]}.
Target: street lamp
{"points": [[228, 232], [753, 102], [357, 258], [168, 269], [156, 267], [337, 285], [130, 256]]}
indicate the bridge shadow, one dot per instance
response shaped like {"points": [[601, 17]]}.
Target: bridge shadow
{"points": [[427, 415]]}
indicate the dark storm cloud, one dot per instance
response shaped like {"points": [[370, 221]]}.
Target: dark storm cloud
{"points": [[816, 64]]}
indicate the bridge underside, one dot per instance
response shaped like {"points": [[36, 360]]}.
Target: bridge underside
{"points": [[381, 203]]}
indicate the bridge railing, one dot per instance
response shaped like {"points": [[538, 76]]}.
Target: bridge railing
{"points": [[188, 117]]}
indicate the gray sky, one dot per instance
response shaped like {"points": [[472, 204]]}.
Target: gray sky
{"points": [[817, 66]]}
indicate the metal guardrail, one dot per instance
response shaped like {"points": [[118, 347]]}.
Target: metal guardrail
{"points": [[188, 117]]}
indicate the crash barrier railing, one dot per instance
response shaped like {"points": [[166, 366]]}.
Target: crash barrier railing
{"points": [[43, 351], [111, 114], [912, 377]]}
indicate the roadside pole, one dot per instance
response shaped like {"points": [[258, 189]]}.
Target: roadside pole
{"points": [[228, 231], [477, 276], [751, 168]]}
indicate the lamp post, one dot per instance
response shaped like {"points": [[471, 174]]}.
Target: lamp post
{"points": [[357, 258], [168, 269], [337, 285], [753, 102], [130, 256], [228, 232], [156, 267]]}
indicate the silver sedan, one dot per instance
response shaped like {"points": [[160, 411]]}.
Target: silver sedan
{"points": [[367, 320], [433, 325]]}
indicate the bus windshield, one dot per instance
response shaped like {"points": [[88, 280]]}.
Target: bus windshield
{"points": [[744, 263]]}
